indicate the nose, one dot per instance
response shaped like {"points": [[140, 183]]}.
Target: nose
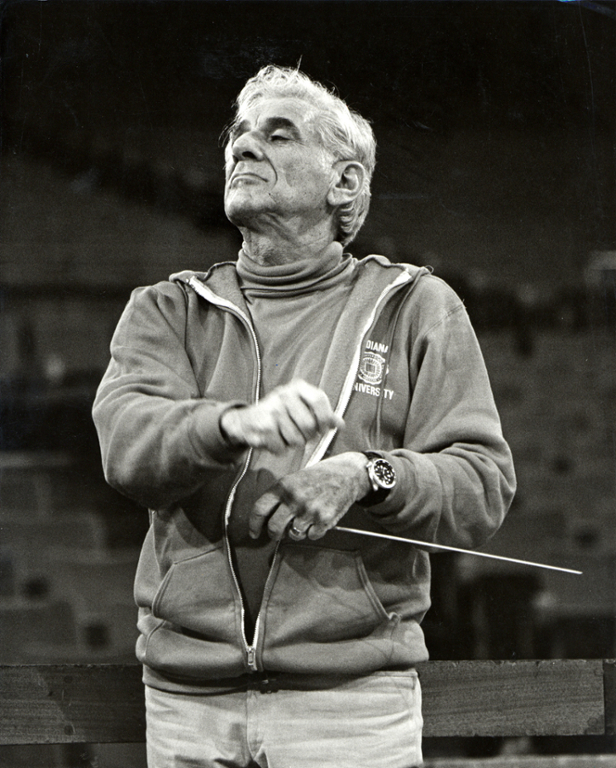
{"points": [[246, 147]]}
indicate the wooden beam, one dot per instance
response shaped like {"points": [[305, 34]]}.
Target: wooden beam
{"points": [[47, 704], [59, 704], [609, 688], [513, 698], [524, 761]]}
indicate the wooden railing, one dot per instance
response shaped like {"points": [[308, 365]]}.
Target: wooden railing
{"points": [[52, 704]]}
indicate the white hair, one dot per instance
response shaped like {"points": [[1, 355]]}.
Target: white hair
{"points": [[343, 132]]}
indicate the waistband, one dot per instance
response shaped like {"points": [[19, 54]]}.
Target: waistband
{"points": [[265, 682]]}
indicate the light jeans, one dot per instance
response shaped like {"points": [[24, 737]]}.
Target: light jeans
{"points": [[369, 722]]}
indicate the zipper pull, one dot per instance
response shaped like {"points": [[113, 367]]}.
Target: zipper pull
{"points": [[252, 658]]}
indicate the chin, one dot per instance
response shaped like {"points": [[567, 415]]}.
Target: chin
{"points": [[242, 212], [239, 217]]}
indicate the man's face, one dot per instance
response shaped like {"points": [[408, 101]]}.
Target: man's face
{"points": [[276, 168]]}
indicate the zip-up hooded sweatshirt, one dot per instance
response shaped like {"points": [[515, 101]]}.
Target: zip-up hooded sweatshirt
{"points": [[404, 370]]}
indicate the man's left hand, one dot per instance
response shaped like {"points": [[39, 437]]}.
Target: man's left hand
{"points": [[312, 500]]}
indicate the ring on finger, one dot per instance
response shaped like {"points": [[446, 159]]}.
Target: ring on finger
{"points": [[296, 533]]}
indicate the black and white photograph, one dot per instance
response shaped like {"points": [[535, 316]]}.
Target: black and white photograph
{"points": [[308, 384]]}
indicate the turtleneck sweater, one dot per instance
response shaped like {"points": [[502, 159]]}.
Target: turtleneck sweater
{"points": [[296, 277], [294, 308]]}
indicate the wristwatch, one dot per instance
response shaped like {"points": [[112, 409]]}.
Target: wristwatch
{"points": [[382, 478]]}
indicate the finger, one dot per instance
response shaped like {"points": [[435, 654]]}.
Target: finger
{"points": [[319, 404], [273, 427], [281, 521], [291, 400], [289, 431], [325, 518], [262, 510], [304, 419], [296, 530], [317, 532]]}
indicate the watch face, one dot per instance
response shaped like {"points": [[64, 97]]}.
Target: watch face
{"points": [[385, 473]]}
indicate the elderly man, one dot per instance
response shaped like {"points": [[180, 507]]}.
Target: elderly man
{"points": [[255, 407]]}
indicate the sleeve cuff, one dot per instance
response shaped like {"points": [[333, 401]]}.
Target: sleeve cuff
{"points": [[206, 436]]}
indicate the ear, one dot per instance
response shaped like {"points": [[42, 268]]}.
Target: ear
{"points": [[348, 182]]}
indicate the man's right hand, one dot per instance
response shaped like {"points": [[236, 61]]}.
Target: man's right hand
{"points": [[289, 416]]}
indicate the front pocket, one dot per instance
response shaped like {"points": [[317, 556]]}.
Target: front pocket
{"points": [[321, 595], [197, 595]]}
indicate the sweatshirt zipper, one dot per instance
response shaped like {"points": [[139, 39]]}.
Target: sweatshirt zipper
{"points": [[250, 650], [205, 292]]}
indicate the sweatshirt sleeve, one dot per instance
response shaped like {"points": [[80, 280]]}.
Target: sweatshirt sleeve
{"points": [[157, 433], [455, 472]]}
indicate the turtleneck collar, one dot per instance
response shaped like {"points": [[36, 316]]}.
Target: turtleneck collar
{"points": [[297, 277]]}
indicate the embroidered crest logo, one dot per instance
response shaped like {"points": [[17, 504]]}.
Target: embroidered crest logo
{"points": [[372, 368]]}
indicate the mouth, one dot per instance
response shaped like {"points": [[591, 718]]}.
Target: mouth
{"points": [[244, 177]]}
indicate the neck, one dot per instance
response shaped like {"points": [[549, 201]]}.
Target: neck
{"points": [[274, 249]]}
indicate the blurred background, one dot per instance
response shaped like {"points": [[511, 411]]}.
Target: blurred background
{"points": [[496, 129]]}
